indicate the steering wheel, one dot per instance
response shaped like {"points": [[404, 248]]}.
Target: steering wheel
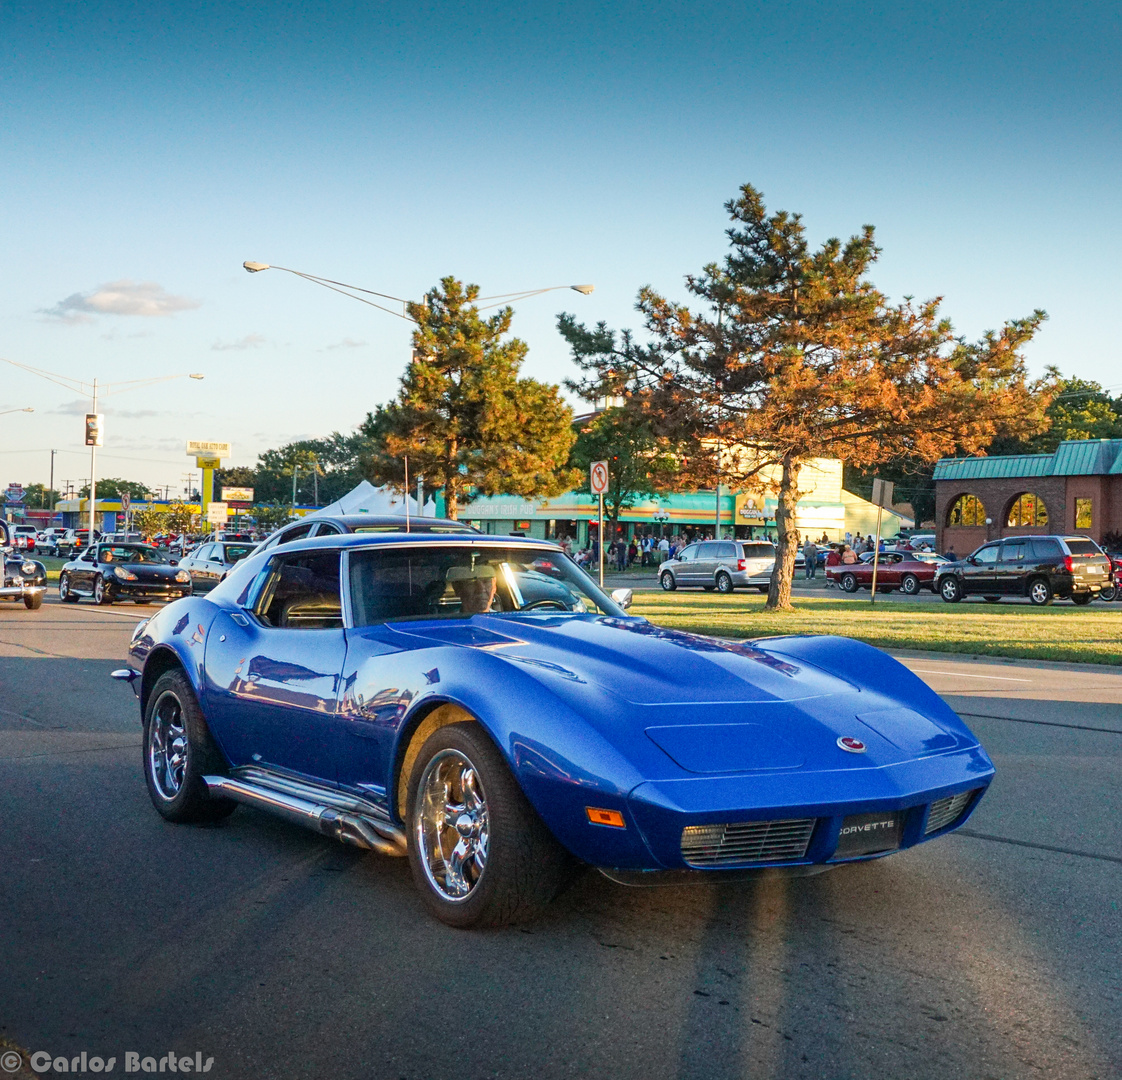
{"points": [[545, 602]]}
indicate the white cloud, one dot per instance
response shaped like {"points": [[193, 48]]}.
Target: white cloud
{"points": [[347, 343], [250, 341], [144, 298]]}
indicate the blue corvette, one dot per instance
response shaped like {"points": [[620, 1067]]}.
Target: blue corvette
{"points": [[477, 704]]}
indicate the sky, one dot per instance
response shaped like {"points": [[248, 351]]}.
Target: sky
{"points": [[148, 149]]}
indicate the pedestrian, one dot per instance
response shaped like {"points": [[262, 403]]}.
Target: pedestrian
{"points": [[810, 559], [949, 554], [848, 556], [663, 549]]}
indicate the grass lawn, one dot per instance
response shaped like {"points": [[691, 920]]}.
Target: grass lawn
{"points": [[1090, 634]]}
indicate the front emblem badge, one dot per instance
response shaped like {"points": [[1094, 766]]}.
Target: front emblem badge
{"points": [[854, 746]]}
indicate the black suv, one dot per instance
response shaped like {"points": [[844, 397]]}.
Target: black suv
{"points": [[1039, 567]]}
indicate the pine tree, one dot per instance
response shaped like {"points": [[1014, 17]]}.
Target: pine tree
{"points": [[464, 417]]}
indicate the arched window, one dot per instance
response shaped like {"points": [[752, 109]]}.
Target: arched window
{"points": [[967, 510], [1027, 509]]}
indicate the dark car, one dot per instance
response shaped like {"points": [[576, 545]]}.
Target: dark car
{"points": [[209, 563], [908, 571], [477, 704], [361, 523], [110, 572], [22, 578], [1039, 567]]}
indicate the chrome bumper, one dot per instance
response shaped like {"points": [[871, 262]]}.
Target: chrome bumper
{"points": [[22, 590]]}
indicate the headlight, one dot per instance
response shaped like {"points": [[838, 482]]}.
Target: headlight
{"points": [[183, 576], [123, 574], [28, 568]]}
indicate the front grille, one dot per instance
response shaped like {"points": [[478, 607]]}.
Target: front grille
{"points": [[945, 811], [746, 842]]}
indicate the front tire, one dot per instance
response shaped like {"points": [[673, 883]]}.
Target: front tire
{"points": [[848, 583], [101, 594], [179, 752], [724, 583], [479, 853], [65, 593], [1040, 592], [1082, 599], [33, 603], [909, 585], [667, 582], [950, 590]]}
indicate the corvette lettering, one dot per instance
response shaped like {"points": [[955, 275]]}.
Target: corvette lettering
{"points": [[869, 827]]}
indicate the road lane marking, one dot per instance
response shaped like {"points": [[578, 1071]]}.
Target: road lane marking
{"points": [[1039, 847], [963, 675]]}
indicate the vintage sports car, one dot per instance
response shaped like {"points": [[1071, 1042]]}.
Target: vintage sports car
{"points": [[908, 571], [109, 572], [21, 578], [478, 704]]}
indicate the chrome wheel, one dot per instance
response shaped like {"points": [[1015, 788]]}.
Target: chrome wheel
{"points": [[451, 825], [167, 746], [1040, 592], [667, 582], [99, 591], [64, 588], [910, 585]]}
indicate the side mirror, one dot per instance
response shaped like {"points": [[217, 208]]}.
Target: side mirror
{"points": [[623, 597], [971, 560], [174, 562]]}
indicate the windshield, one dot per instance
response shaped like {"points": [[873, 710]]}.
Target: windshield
{"points": [[129, 553], [449, 582]]}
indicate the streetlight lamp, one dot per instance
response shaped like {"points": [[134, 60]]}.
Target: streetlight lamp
{"points": [[7, 411], [94, 433], [340, 287]]}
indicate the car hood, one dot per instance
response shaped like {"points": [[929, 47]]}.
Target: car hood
{"points": [[149, 571], [710, 706], [639, 662]]}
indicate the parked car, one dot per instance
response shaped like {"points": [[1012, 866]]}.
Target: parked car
{"points": [[45, 541], [21, 578], [361, 523], [209, 563], [723, 565], [123, 538], [72, 541], [477, 704], [110, 572], [908, 571], [23, 537], [1039, 567]]}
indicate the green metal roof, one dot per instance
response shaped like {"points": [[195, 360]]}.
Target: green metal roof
{"points": [[1076, 457]]}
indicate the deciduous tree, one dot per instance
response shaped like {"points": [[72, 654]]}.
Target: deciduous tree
{"points": [[465, 418]]}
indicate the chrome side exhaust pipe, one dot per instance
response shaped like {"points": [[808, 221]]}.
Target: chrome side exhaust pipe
{"points": [[350, 828]]}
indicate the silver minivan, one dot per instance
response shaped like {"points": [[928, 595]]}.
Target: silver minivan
{"points": [[720, 564]]}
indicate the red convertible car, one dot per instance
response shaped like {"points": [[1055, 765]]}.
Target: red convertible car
{"points": [[908, 571]]}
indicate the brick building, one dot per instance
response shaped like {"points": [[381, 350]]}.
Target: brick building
{"points": [[1076, 489]]}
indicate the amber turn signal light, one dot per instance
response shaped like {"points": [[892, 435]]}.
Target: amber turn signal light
{"points": [[605, 817]]}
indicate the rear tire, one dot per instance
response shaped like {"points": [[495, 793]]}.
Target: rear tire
{"points": [[909, 585], [1109, 594], [848, 583], [64, 592], [479, 853], [950, 590], [179, 752], [1040, 592], [666, 580], [1082, 599], [724, 583]]}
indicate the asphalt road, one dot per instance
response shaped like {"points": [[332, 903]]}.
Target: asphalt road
{"points": [[283, 954]]}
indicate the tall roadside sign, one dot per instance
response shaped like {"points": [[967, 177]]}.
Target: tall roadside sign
{"points": [[598, 482], [882, 496], [208, 457]]}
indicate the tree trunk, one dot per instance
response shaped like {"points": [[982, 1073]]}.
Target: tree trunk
{"points": [[787, 539], [451, 500]]}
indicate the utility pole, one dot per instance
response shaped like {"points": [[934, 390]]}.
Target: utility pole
{"points": [[93, 469], [51, 486]]}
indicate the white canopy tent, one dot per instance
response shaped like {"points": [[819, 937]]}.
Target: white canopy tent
{"points": [[368, 499]]}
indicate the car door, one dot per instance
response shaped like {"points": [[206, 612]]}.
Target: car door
{"points": [[273, 667], [1011, 568], [705, 565], [979, 571], [195, 565], [685, 573], [888, 568], [83, 571]]}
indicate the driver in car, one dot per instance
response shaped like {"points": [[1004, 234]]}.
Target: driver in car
{"points": [[475, 587]]}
